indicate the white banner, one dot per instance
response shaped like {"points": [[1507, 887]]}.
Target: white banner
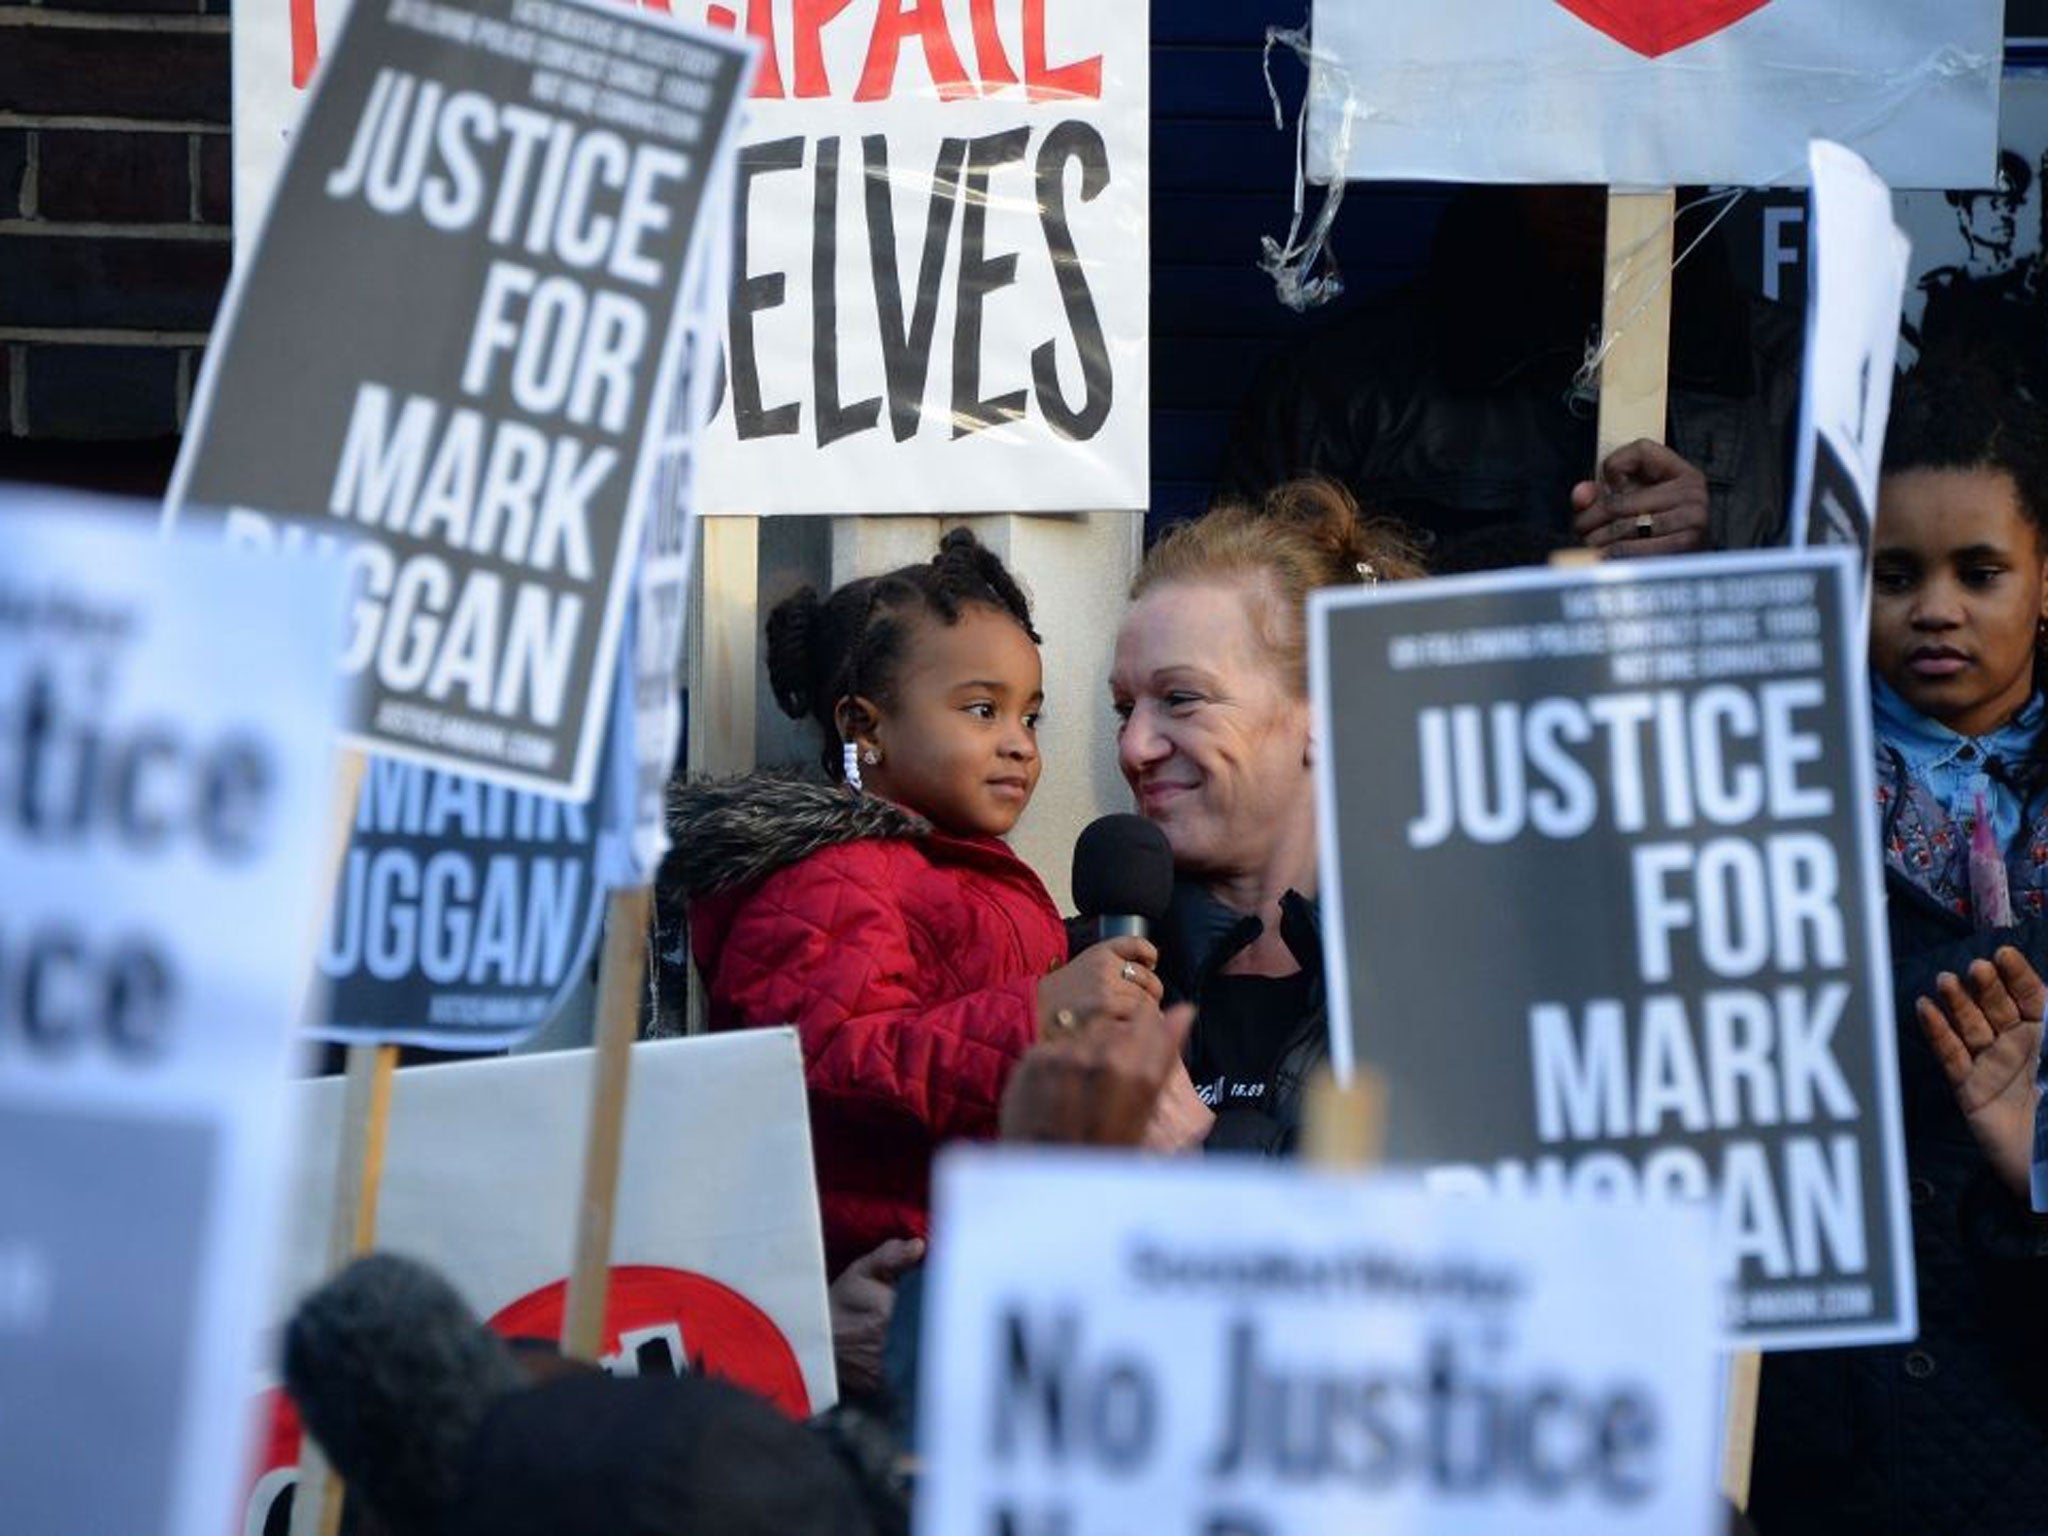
{"points": [[941, 292], [717, 1261], [1855, 278], [1653, 93], [166, 715], [1232, 1348]]}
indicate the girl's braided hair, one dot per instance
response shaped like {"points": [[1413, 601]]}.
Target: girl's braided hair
{"points": [[852, 643]]}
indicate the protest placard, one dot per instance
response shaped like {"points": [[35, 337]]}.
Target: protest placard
{"points": [[471, 400], [1857, 275], [719, 1264], [464, 913], [1606, 913], [164, 763], [1650, 95], [941, 302], [1225, 1348]]}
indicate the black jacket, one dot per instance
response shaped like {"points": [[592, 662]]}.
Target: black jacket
{"points": [[1195, 942], [1448, 403], [1947, 1434]]}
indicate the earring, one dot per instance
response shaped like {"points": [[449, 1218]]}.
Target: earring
{"points": [[849, 758], [871, 756]]}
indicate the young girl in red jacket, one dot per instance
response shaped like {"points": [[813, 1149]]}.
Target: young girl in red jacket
{"points": [[882, 914]]}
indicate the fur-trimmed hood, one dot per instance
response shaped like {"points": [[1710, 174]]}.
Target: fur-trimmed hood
{"points": [[730, 833]]}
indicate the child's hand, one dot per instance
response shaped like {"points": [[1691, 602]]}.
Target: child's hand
{"points": [[1987, 1037], [1111, 980]]}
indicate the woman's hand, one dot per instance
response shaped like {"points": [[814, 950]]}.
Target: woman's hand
{"points": [[1986, 1033], [1180, 1120], [861, 1300], [1101, 1084], [1110, 980]]}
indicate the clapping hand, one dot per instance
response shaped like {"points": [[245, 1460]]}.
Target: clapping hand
{"points": [[1985, 1030]]}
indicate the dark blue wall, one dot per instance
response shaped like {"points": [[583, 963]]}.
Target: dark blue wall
{"points": [[1222, 176]]}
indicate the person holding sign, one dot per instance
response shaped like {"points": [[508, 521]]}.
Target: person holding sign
{"points": [[1949, 1432], [1211, 682], [886, 919], [1461, 404]]}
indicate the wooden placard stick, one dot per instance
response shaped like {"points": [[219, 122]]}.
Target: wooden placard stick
{"points": [[1635, 320], [1345, 1124], [621, 974], [359, 1161], [1738, 1448], [722, 658], [1634, 385]]}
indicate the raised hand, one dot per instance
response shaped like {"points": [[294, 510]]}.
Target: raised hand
{"points": [[1985, 1029]]}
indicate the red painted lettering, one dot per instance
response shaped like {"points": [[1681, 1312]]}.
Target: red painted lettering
{"points": [[894, 21], [1043, 82]]}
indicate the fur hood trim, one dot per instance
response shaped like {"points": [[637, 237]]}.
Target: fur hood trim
{"points": [[730, 833]]}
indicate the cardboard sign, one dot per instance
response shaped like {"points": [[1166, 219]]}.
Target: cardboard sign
{"points": [[662, 585], [1859, 261], [718, 1264], [463, 914], [1650, 95], [164, 747], [1604, 907], [467, 400], [942, 266], [1229, 1348]]}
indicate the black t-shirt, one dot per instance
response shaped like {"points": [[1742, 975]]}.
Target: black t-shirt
{"points": [[1245, 1025]]}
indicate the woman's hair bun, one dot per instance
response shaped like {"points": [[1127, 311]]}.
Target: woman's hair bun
{"points": [[1349, 546]]}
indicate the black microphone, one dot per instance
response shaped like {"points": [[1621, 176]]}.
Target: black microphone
{"points": [[1123, 876]]}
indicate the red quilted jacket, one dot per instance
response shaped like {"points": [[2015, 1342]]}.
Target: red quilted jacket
{"points": [[907, 959]]}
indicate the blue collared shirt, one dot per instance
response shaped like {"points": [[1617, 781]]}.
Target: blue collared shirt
{"points": [[1952, 766]]}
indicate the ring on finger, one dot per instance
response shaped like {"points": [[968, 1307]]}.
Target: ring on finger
{"points": [[1646, 525], [1068, 1022], [1127, 971]]}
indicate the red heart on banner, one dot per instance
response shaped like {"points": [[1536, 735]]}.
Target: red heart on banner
{"points": [[1653, 27]]}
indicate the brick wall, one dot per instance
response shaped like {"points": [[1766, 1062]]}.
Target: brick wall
{"points": [[114, 240]]}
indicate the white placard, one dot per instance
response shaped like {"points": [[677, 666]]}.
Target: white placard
{"points": [[1855, 279], [716, 1251], [166, 714], [1229, 1348], [941, 297], [1653, 93]]}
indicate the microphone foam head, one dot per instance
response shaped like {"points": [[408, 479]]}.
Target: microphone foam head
{"points": [[392, 1374], [1123, 867]]}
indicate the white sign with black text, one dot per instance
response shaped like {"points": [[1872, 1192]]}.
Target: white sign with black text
{"points": [[1856, 276], [1230, 1348], [166, 719]]}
